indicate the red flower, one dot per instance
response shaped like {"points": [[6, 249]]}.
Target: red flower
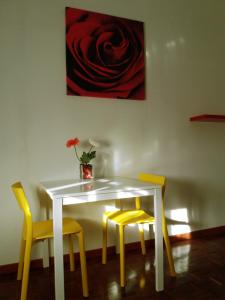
{"points": [[105, 55], [72, 142]]}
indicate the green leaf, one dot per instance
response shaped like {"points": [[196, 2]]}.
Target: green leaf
{"points": [[87, 157]]}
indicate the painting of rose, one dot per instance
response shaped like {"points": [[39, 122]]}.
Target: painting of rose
{"points": [[105, 55]]}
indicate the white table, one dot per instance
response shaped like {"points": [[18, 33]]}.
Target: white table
{"points": [[70, 192]]}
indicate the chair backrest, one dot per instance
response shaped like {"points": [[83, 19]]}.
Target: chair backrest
{"points": [[158, 179], [23, 204]]}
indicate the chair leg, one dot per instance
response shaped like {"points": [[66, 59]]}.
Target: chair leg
{"points": [[22, 253], [70, 242], [142, 238], [122, 256], [26, 270], [46, 252], [168, 249], [104, 239], [83, 264]]}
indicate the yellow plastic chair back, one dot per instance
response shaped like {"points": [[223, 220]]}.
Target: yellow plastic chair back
{"points": [[157, 179], [21, 198], [24, 206]]}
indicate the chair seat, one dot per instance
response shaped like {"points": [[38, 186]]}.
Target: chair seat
{"points": [[125, 217], [44, 229]]}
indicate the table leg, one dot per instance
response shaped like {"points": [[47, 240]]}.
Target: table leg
{"points": [[58, 249], [159, 272], [46, 253]]}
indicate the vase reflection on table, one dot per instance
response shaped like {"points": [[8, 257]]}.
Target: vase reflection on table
{"points": [[86, 171]]}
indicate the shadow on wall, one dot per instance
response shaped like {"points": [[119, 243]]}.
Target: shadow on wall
{"points": [[103, 165], [45, 203]]}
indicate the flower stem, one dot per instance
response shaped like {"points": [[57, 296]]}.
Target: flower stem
{"points": [[90, 149], [76, 154]]}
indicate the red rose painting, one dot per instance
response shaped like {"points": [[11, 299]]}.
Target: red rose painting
{"points": [[105, 55]]}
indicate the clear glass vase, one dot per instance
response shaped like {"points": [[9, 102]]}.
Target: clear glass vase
{"points": [[86, 171]]}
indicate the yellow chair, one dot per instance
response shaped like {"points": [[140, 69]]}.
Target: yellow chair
{"points": [[39, 231], [139, 217]]}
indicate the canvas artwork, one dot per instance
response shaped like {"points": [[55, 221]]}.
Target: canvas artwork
{"points": [[105, 55]]}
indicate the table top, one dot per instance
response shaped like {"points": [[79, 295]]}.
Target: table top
{"points": [[91, 190]]}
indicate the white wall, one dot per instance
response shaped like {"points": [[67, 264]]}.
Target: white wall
{"points": [[185, 60]]}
